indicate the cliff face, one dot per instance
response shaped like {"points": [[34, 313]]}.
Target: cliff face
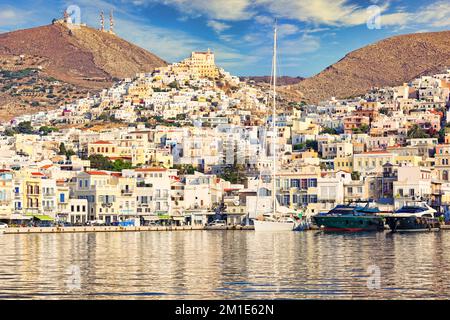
{"points": [[389, 62]]}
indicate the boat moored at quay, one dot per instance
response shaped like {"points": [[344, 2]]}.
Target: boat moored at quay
{"points": [[414, 217], [350, 218]]}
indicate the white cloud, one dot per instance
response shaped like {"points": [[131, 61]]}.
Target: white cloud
{"points": [[436, 14], [218, 26], [302, 44], [214, 9], [10, 16], [327, 12], [264, 20], [287, 29]]}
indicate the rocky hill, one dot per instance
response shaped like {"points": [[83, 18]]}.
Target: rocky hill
{"points": [[389, 62], [85, 58]]}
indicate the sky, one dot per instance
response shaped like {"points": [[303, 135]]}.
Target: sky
{"points": [[312, 34]]}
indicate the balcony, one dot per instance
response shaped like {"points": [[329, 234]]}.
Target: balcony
{"points": [[126, 192], [49, 194], [107, 204]]}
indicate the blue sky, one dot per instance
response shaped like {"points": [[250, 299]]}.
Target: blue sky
{"points": [[312, 33]]}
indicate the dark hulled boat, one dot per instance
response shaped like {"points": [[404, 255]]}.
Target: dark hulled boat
{"points": [[350, 218], [413, 218]]}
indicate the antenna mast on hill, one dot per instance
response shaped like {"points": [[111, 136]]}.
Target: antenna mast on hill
{"points": [[111, 22], [102, 21], [65, 16]]}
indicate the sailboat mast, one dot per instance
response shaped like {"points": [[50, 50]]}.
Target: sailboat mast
{"points": [[274, 74]]}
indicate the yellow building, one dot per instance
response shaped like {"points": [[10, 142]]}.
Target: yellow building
{"points": [[372, 162], [343, 163], [105, 148], [415, 161], [202, 63], [6, 187]]}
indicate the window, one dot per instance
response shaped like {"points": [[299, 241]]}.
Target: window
{"points": [[62, 197]]}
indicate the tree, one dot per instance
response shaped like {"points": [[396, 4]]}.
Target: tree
{"points": [[327, 130], [312, 144], [100, 162], [69, 153], [299, 146], [417, 132], [363, 128], [45, 130], [63, 151], [120, 165], [9, 132], [184, 169], [25, 127], [62, 148], [173, 85], [355, 175]]}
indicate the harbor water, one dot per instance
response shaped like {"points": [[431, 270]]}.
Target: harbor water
{"points": [[225, 265]]}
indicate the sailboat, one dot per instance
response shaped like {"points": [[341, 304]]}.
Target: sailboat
{"points": [[280, 218]]}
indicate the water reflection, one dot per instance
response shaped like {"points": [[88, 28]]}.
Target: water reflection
{"points": [[225, 264]]}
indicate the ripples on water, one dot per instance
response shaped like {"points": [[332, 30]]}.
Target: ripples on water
{"points": [[225, 265]]}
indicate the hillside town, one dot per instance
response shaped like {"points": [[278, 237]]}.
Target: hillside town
{"points": [[190, 142]]}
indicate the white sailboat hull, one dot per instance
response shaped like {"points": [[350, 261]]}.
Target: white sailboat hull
{"points": [[274, 225]]}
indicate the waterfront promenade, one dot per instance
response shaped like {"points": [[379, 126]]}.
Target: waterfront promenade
{"points": [[26, 230]]}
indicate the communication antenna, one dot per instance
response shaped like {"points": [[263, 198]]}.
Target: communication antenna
{"points": [[111, 22], [102, 21]]}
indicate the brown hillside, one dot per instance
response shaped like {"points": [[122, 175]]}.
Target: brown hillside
{"points": [[81, 60], [389, 62], [83, 56]]}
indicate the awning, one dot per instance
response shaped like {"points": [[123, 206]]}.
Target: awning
{"points": [[163, 217], [16, 216], [150, 218], [43, 218]]}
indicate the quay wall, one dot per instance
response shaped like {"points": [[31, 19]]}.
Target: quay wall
{"points": [[22, 230], [29, 230]]}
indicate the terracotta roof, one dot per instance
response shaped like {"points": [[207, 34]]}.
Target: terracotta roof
{"points": [[97, 173], [37, 174], [101, 142], [376, 152], [151, 170], [47, 166], [119, 158]]}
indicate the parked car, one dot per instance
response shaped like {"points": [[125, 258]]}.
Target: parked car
{"points": [[3, 225], [96, 223], [45, 224], [217, 225], [64, 224]]}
